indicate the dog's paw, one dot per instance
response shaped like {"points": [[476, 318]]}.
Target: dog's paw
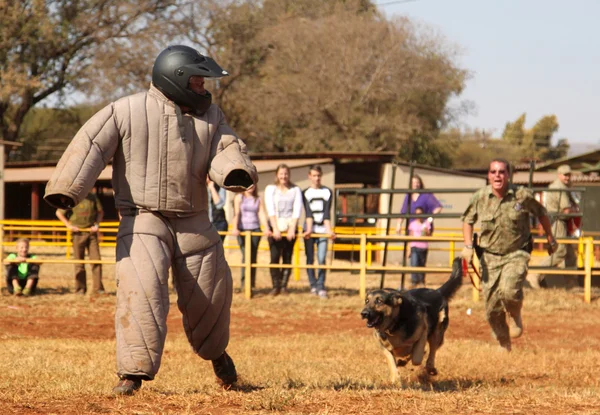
{"points": [[431, 371]]}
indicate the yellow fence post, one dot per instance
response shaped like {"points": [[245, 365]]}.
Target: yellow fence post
{"points": [[1, 241], [589, 263], [363, 266], [296, 258], [581, 252], [248, 265], [69, 244]]}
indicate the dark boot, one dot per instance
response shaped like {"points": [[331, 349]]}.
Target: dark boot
{"points": [[127, 385], [284, 282], [225, 370], [276, 280]]}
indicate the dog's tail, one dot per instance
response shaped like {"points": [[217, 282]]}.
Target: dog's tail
{"points": [[451, 286]]}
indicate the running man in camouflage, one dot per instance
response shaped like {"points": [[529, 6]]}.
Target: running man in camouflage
{"points": [[506, 241]]}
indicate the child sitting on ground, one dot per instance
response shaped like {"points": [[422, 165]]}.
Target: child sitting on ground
{"points": [[21, 277]]}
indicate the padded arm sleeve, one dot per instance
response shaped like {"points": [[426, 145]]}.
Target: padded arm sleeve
{"points": [[84, 159]]}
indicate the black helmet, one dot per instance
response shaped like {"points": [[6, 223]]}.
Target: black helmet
{"points": [[172, 70]]}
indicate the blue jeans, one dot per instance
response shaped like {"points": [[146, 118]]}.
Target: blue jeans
{"points": [[418, 258], [254, 242], [309, 246]]}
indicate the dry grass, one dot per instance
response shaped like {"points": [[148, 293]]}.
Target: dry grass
{"points": [[298, 354]]}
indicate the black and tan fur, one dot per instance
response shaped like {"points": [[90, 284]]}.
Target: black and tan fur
{"points": [[405, 321]]}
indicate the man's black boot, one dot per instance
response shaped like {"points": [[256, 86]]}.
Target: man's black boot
{"points": [[225, 370]]}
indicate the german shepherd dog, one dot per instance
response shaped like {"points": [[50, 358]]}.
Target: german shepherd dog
{"points": [[404, 321]]}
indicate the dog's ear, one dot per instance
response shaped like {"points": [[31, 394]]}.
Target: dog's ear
{"points": [[394, 299]]}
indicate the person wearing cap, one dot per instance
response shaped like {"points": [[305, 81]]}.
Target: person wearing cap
{"points": [[557, 203], [163, 143]]}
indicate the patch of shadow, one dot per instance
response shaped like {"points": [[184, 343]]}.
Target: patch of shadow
{"points": [[246, 387], [351, 384], [238, 387], [52, 291], [448, 385], [290, 383]]}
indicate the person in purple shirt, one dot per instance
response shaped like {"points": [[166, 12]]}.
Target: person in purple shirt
{"points": [[424, 201], [427, 204]]}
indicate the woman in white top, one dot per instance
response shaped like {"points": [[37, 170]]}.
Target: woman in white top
{"points": [[283, 201]]}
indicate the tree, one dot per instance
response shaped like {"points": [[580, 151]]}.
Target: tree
{"points": [[535, 143], [312, 75], [57, 47], [306, 75], [514, 133], [475, 149], [46, 132]]}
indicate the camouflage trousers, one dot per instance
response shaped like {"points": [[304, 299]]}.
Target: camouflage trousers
{"points": [[563, 252], [502, 288]]}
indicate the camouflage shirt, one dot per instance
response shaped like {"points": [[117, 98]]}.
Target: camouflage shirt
{"points": [[505, 226], [85, 213], [557, 201]]}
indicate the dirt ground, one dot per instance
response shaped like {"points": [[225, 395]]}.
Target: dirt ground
{"points": [[100, 326], [58, 315]]}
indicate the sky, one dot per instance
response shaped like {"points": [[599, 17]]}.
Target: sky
{"points": [[535, 56]]}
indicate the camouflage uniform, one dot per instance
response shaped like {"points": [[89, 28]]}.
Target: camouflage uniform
{"points": [[84, 216], [505, 238], [556, 202]]}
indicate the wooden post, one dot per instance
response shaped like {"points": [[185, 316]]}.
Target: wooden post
{"points": [[248, 265], [35, 201], [363, 266]]}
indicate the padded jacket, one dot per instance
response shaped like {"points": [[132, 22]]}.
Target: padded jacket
{"points": [[160, 156]]}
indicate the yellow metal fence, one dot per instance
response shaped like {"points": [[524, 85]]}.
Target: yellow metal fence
{"points": [[365, 241]]}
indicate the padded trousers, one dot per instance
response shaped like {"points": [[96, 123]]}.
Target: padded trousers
{"points": [[148, 245]]}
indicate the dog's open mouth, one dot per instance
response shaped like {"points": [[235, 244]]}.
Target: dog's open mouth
{"points": [[373, 321]]}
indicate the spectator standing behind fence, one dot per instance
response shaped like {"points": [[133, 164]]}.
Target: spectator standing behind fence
{"points": [[22, 277], [83, 221], [317, 205], [283, 201], [216, 203], [427, 202], [506, 244], [248, 214], [559, 203], [418, 249]]}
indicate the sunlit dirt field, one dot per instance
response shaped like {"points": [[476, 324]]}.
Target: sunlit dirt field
{"points": [[299, 354]]}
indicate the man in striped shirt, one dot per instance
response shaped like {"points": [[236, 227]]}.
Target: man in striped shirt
{"points": [[317, 204]]}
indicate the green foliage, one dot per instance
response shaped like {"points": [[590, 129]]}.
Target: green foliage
{"points": [[514, 133], [535, 143], [48, 47], [46, 132], [332, 75]]}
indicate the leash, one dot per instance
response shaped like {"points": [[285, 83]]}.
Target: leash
{"points": [[465, 270]]}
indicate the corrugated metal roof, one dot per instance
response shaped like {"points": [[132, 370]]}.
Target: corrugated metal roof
{"points": [[42, 174], [547, 177]]}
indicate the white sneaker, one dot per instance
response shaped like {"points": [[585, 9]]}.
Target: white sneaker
{"points": [[313, 291], [323, 294]]}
